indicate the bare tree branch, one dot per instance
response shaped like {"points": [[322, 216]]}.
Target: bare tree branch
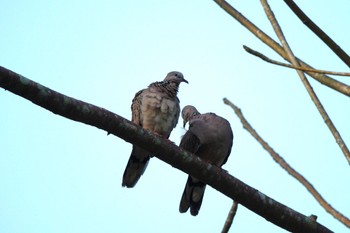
{"points": [[269, 60], [230, 217], [214, 176], [342, 218], [319, 32], [324, 79], [306, 83]]}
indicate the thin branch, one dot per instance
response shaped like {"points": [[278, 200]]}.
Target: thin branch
{"points": [[214, 176], [306, 83], [324, 79], [287, 167], [230, 217], [269, 60], [319, 32]]}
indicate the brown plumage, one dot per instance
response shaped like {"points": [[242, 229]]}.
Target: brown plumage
{"points": [[209, 137], [157, 109]]}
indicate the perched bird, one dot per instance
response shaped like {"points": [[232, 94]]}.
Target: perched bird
{"points": [[157, 109], [209, 137]]}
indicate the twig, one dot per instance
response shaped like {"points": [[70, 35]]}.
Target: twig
{"points": [[324, 79], [319, 32], [230, 186], [306, 83], [269, 60], [287, 167], [230, 217]]}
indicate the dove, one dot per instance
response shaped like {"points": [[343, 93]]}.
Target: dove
{"points": [[157, 109], [210, 137]]}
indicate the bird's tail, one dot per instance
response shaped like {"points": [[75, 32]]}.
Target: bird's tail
{"points": [[136, 166], [192, 196]]}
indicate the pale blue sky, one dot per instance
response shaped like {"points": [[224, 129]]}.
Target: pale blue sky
{"points": [[57, 175]]}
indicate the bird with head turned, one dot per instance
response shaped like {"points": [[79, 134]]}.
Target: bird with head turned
{"points": [[209, 137]]}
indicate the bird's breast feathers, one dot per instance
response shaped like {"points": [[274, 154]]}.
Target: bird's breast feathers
{"points": [[159, 112]]}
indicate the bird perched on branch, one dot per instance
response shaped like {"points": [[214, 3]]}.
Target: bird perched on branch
{"points": [[210, 137], [157, 109]]}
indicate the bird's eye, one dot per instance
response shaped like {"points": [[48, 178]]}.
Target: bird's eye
{"points": [[176, 75]]}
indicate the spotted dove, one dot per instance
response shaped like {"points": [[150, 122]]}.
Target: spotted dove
{"points": [[209, 137], [157, 109]]}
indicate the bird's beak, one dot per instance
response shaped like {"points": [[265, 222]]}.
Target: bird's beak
{"points": [[184, 123], [184, 80]]}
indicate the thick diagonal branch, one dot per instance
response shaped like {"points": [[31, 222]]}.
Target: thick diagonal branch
{"points": [[230, 186]]}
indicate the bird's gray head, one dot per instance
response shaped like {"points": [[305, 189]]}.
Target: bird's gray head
{"points": [[175, 77], [187, 113]]}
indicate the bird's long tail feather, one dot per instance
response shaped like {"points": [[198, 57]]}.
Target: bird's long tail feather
{"points": [[136, 166], [192, 196]]}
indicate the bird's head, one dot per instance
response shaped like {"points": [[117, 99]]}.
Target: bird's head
{"points": [[187, 113], [175, 77]]}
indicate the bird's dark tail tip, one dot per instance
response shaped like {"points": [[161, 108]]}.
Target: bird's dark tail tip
{"points": [[192, 196], [136, 166]]}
